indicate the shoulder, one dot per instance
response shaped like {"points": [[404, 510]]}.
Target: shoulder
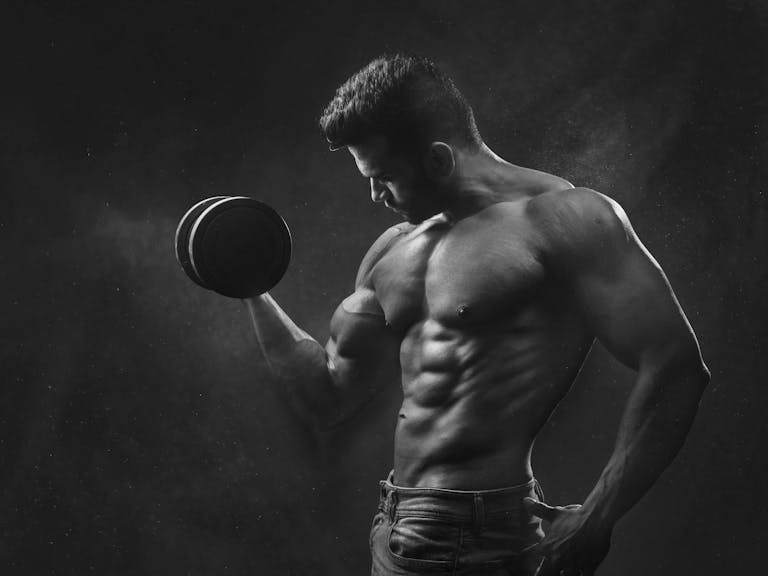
{"points": [[380, 247], [579, 222], [576, 207]]}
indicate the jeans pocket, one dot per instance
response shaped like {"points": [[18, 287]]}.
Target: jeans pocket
{"points": [[378, 519], [424, 543]]}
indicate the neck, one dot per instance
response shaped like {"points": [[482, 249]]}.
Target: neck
{"points": [[480, 179]]}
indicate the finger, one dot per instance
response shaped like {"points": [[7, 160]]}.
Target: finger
{"points": [[543, 511]]}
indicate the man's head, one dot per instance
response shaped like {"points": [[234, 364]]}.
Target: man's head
{"points": [[401, 118], [408, 100]]}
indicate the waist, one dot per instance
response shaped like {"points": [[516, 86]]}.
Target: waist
{"points": [[463, 506], [463, 464]]}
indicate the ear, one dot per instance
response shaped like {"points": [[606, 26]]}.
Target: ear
{"points": [[439, 161]]}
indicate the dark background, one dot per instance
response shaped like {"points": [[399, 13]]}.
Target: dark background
{"points": [[138, 431]]}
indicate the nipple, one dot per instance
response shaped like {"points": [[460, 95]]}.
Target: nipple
{"points": [[462, 311]]}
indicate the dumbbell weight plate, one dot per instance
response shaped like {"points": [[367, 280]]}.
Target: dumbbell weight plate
{"points": [[239, 247]]}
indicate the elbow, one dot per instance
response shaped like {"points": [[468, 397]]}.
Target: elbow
{"points": [[689, 366], [704, 375], [698, 377], [693, 366], [682, 362]]}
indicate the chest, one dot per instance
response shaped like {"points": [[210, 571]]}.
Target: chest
{"points": [[475, 271]]}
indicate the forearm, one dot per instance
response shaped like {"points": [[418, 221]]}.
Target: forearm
{"points": [[654, 426], [283, 344], [297, 361]]}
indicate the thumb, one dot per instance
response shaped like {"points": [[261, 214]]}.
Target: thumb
{"points": [[543, 511]]}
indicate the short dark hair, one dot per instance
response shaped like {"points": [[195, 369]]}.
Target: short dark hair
{"points": [[407, 99]]}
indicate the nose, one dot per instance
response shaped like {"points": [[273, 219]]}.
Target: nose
{"points": [[378, 190]]}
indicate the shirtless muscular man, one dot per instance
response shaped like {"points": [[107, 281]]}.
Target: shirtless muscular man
{"points": [[484, 303]]}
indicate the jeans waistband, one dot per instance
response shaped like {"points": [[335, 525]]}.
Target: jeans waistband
{"points": [[458, 505]]}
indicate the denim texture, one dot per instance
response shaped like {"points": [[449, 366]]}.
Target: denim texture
{"points": [[439, 531]]}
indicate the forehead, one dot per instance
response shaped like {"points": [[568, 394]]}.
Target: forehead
{"points": [[372, 156]]}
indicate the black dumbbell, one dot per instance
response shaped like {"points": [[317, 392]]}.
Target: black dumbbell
{"points": [[235, 246]]}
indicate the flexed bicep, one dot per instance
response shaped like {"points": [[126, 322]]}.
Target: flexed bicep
{"points": [[363, 353]]}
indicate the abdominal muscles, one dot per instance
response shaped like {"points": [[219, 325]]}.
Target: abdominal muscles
{"points": [[474, 401]]}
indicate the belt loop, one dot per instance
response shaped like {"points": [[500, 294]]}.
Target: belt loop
{"points": [[392, 505], [479, 512], [382, 496]]}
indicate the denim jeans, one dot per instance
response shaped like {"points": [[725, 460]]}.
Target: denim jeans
{"points": [[439, 531]]}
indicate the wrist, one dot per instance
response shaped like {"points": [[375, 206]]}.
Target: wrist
{"points": [[601, 508], [596, 521], [258, 299]]}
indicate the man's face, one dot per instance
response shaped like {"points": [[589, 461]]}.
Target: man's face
{"points": [[396, 180]]}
